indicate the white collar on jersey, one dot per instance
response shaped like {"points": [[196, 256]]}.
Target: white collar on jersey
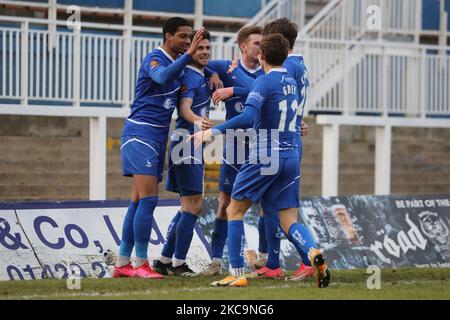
{"points": [[277, 70], [195, 69], [252, 71], [295, 55], [166, 54]]}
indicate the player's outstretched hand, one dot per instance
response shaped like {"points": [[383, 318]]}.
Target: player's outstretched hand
{"points": [[195, 41], [200, 137], [233, 65], [304, 129], [206, 123], [215, 82], [222, 95]]}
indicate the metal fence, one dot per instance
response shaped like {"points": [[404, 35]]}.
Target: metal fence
{"points": [[44, 62], [378, 79], [348, 19], [73, 67]]}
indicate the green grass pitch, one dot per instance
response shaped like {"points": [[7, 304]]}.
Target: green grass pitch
{"points": [[404, 283]]}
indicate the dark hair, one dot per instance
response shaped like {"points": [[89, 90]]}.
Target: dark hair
{"points": [[274, 48], [206, 35], [284, 26], [171, 26], [244, 33]]}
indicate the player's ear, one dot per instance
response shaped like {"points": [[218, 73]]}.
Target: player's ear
{"points": [[242, 46], [167, 37]]}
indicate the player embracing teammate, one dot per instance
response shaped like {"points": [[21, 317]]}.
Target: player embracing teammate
{"points": [[272, 109], [144, 139]]}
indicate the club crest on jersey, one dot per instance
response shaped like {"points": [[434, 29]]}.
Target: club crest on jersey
{"points": [[204, 112], [169, 104], [239, 107]]}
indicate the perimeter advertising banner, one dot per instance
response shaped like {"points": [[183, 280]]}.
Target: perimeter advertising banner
{"points": [[57, 239], [358, 231], [39, 240]]}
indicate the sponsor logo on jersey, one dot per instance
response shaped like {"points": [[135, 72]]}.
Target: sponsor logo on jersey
{"points": [[239, 107], [256, 95], [169, 104], [154, 63]]}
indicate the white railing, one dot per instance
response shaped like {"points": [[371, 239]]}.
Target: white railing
{"points": [[69, 67], [378, 78], [10, 63], [294, 10], [349, 19]]}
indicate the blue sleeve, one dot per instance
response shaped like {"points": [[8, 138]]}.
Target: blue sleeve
{"points": [[253, 106], [241, 91], [219, 66], [242, 79], [188, 87], [242, 121], [298, 72], [258, 94], [291, 69], [162, 74]]}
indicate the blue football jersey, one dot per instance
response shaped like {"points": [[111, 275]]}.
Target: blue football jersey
{"points": [[274, 96], [152, 109], [194, 85], [234, 105], [296, 68]]}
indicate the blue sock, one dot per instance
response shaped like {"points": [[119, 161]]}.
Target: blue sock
{"points": [[272, 221], [303, 255], [219, 237], [184, 234], [236, 242], [302, 240], [142, 225], [127, 242], [169, 244], [262, 247]]}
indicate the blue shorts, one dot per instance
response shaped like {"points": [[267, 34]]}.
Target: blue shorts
{"points": [[142, 156], [184, 178], [278, 191], [228, 173], [229, 170]]}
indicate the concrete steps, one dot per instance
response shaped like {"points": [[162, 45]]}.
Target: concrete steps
{"points": [[42, 167]]}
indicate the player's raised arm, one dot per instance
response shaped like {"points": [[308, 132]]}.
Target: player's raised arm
{"points": [[245, 120], [164, 75], [219, 66], [242, 121]]}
